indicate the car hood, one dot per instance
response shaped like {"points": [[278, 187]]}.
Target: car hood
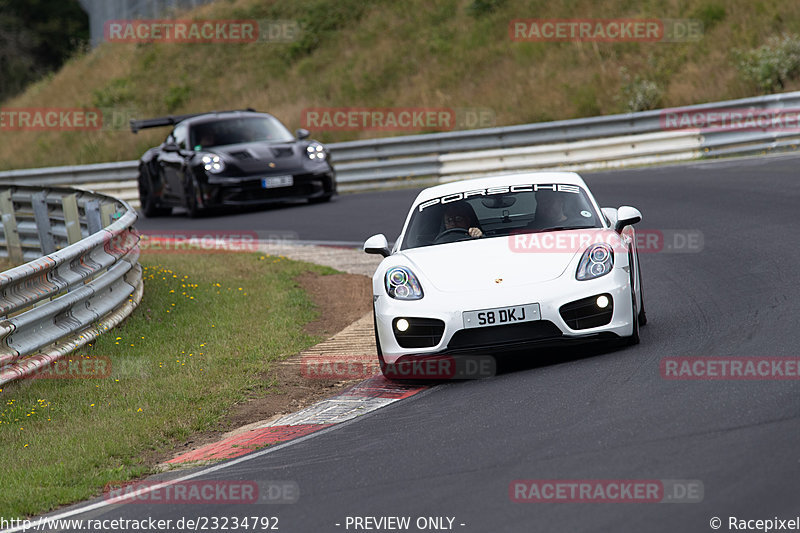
{"points": [[262, 157], [479, 263]]}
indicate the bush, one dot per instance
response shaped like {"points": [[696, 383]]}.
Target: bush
{"points": [[710, 14], [770, 66], [641, 94], [479, 8]]}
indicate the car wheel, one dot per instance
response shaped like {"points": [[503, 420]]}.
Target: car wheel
{"points": [[642, 313], [387, 370], [147, 199], [634, 338], [192, 207], [320, 199]]}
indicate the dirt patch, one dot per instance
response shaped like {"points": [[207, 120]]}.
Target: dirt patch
{"points": [[341, 300]]}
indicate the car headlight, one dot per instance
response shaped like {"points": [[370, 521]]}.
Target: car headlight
{"points": [[597, 260], [316, 152], [402, 284], [213, 163]]}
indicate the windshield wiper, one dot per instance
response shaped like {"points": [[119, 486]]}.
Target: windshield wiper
{"points": [[560, 228]]}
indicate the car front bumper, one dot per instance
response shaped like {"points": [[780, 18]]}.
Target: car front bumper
{"points": [[551, 328], [247, 190]]}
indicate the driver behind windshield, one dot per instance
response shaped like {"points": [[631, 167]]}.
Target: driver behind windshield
{"points": [[461, 215], [553, 210]]}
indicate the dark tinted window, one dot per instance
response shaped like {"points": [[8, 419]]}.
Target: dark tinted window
{"points": [[237, 131]]}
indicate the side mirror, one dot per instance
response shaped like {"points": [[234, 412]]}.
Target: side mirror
{"points": [[611, 215], [302, 134], [377, 244], [626, 216]]}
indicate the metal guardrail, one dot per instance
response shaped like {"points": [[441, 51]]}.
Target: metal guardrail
{"points": [[84, 277], [624, 150], [389, 162]]}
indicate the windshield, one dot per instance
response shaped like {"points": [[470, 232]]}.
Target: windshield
{"points": [[237, 131], [500, 212]]}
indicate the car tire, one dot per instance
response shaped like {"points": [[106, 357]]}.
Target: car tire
{"points": [[147, 200], [193, 209], [378, 342], [642, 313], [320, 199], [634, 338], [386, 369]]}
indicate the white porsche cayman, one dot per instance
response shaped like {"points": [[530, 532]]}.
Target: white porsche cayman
{"points": [[506, 262]]}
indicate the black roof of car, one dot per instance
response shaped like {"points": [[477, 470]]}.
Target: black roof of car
{"points": [[171, 120]]}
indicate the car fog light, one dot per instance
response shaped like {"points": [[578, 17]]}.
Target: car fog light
{"points": [[602, 302], [402, 324]]}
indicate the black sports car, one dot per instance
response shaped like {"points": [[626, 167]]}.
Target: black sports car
{"points": [[230, 158]]}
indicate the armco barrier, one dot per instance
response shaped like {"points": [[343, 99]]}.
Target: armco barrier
{"points": [[430, 158], [84, 277], [641, 149]]}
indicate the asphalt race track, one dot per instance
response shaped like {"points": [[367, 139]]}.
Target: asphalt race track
{"points": [[605, 413]]}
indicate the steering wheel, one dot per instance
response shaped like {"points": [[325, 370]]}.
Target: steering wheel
{"points": [[450, 233]]}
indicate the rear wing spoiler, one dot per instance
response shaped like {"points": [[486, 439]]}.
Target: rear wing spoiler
{"points": [[171, 120]]}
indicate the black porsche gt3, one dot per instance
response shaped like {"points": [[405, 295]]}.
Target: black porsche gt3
{"points": [[230, 158]]}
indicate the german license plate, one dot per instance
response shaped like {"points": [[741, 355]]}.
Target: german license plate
{"points": [[277, 181], [501, 315]]}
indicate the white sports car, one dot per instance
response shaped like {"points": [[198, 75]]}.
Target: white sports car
{"points": [[506, 262]]}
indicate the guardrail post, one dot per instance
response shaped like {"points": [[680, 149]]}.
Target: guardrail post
{"points": [[107, 214], [93, 220], [71, 218], [13, 244], [42, 217]]}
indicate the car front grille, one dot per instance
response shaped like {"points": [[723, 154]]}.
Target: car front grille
{"points": [[249, 190], [584, 313], [421, 333], [282, 151], [507, 334]]}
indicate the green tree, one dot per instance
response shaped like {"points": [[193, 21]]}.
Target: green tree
{"points": [[36, 38]]}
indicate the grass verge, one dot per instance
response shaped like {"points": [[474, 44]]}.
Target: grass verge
{"points": [[208, 327]]}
